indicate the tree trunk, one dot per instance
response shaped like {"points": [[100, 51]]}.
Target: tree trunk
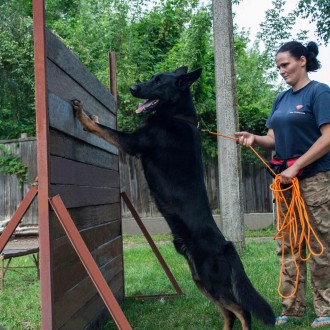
{"points": [[230, 175]]}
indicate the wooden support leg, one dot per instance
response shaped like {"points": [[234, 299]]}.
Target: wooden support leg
{"points": [[152, 244]]}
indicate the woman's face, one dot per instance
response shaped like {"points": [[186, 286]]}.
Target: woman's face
{"points": [[292, 70]]}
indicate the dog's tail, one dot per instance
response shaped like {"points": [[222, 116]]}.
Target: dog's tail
{"points": [[244, 292]]}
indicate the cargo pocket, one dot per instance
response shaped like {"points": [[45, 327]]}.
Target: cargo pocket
{"points": [[316, 194], [316, 190]]}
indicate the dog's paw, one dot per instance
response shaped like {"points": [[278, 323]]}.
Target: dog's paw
{"points": [[77, 107], [95, 118]]}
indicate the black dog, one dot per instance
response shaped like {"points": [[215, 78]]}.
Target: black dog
{"points": [[170, 149]]}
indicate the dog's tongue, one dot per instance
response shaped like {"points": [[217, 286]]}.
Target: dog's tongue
{"points": [[143, 106]]}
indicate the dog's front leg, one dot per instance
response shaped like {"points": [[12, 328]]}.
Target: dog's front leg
{"points": [[91, 125]]}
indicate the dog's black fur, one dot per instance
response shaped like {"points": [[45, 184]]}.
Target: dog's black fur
{"points": [[170, 149]]}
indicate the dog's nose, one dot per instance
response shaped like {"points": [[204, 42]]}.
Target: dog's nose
{"points": [[134, 89]]}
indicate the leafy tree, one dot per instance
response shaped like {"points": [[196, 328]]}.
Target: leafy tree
{"points": [[16, 71], [10, 164], [278, 26], [317, 11]]}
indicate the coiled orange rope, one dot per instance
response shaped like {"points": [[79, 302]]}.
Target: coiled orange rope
{"points": [[289, 214]]}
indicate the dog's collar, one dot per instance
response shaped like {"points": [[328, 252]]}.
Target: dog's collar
{"points": [[190, 119]]}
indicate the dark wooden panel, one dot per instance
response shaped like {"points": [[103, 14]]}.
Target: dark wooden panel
{"points": [[74, 196], [65, 278], [64, 255], [76, 298], [86, 217], [67, 89], [68, 147], [66, 171], [61, 117], [94, 310], [91, 316], [68, 62]]}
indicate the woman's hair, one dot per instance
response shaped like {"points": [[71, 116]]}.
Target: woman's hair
{"points": [[297, 49]]}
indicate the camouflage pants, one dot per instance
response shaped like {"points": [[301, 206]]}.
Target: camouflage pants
{"points": [[316, 194]]}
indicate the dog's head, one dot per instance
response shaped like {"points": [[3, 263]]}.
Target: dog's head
{"points": [[164, 88]]}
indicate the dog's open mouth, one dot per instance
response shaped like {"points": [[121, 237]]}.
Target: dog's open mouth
{"points": [[147, 106]]}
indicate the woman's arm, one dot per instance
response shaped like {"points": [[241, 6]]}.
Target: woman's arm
{"points": [[264, 141]]}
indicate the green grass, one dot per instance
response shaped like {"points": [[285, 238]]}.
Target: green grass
{"points": [[264, 232], [20, 299], [19, 302], [143, 275]]}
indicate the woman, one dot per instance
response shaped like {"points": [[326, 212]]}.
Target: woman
{"points": [[299, 126]]}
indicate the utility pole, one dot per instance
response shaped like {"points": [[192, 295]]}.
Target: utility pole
{"points": [[229, 158]]}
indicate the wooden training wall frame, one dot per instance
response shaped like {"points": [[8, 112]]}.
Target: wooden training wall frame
{"points": [[80, 173]]}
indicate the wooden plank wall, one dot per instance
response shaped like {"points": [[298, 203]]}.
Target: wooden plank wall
{"points": [[12, 193], [257, 196], [85, 173]]}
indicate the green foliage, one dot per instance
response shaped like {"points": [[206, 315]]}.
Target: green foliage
{"points": [[16, 70], [277, 26], [11, 164], [317, 11]]}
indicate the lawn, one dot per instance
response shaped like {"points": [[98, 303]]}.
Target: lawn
{"points": [[19, 302]]}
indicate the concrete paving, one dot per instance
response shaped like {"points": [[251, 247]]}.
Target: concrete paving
{"points": [[157, 225]]}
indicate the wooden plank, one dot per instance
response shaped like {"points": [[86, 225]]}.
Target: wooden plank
{"points": [[64, 255], [66, 171], [68, 62], [61, 117], [66, 88], [86, 217], [76, 298], [67, 276], [68, 147], [94, 311], [74, 196]]}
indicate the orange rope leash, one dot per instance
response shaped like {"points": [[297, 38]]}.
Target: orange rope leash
{"points": [[287, 222]]}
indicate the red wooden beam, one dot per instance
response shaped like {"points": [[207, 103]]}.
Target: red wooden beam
{"points": [[42, 128], [152, 244]]}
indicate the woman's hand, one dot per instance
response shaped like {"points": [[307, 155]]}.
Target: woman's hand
{"points": [[287, 175], [245, 138]]}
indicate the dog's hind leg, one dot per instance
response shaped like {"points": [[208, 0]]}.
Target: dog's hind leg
{"points": [[229, 318], [232, 308], [229, 314]]}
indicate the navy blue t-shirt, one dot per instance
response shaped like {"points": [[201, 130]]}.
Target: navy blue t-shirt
{"points": [[296, 118]]}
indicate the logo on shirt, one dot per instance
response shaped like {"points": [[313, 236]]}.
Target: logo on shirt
{"points": [[299, 107]]}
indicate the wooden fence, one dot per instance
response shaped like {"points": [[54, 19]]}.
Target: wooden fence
{"points": [[257, 197], [12, 193]]}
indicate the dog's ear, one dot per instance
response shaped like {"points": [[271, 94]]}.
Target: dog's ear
{"points": [[181, 70], [186, 80]]}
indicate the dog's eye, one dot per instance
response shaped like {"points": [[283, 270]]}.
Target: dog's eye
{"points": [[157, 80]]}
